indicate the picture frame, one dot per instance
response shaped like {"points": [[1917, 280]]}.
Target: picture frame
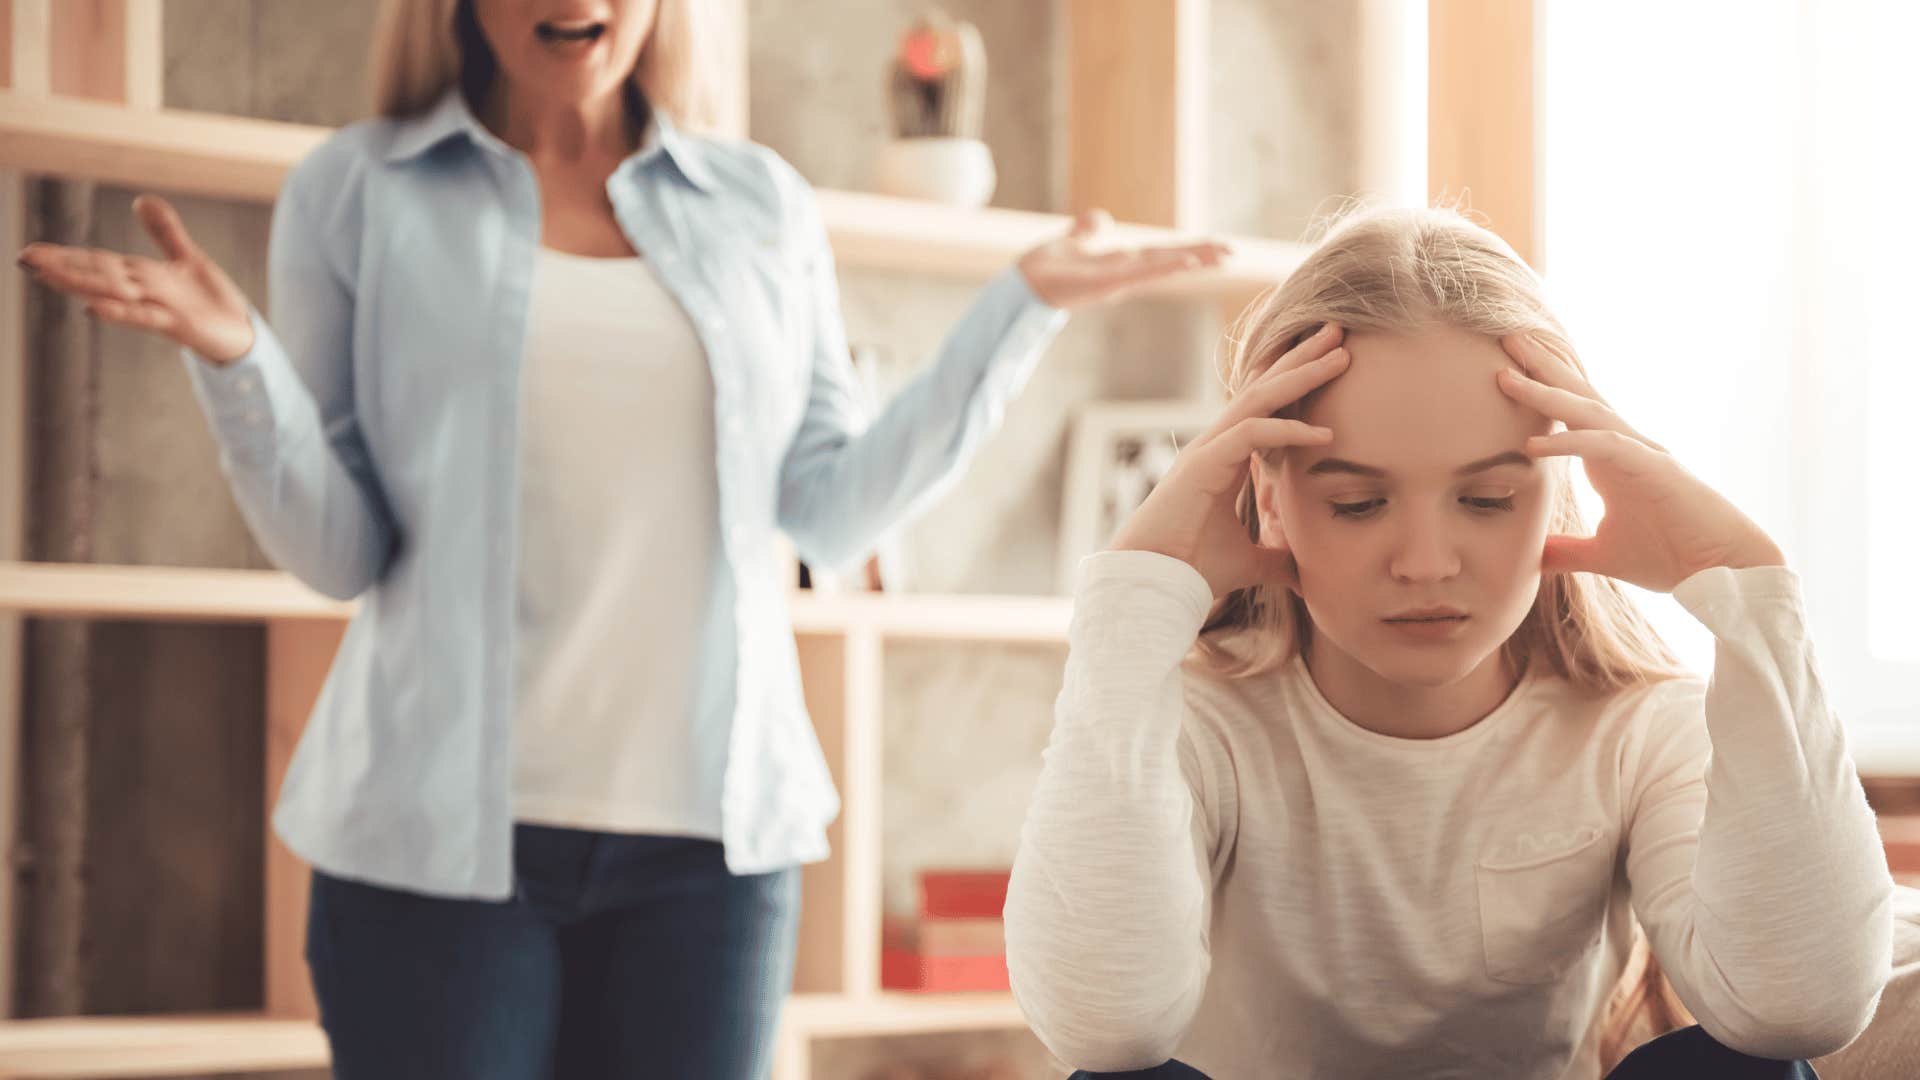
{"points": [[1117, 452]]}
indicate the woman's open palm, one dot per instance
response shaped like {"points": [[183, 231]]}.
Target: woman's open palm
{"points": [[183, 295], [1083, 267]]}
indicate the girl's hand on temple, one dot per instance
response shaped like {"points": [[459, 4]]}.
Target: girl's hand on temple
{"points": [[1190, 514], [1080, 268], [1662, 524], [183, 296]]}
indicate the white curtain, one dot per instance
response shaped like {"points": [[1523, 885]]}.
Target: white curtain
{"points": [[1731, 219]]}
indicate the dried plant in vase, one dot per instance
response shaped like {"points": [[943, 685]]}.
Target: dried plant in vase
{"points": [[937, 92]]}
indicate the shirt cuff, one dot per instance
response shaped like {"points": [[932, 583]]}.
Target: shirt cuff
{"points": [[238, 397], [1724, 598], [1141, 602]]}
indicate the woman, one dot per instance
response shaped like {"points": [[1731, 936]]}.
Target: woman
{"points": [[546, 371], [1427, 772]]}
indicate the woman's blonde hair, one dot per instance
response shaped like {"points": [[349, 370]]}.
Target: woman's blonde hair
{"points": [[422, 47], [1404, 270]]}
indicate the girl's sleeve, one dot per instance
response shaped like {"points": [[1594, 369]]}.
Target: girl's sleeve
{"points": [[1108, 912], [1754, 861]]}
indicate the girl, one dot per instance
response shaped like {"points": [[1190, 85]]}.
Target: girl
{"points": [[546, 371], [1365, 766]]}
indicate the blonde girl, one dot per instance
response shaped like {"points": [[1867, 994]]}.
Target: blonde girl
{"points": [[1364, 765]]}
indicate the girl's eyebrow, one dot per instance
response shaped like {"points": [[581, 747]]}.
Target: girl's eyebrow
{"points": [[1332, 465]]}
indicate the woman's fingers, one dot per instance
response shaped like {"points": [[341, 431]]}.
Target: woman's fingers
{"points": [[1090, 223], [164, 225], [88, 273], [139, 315]]}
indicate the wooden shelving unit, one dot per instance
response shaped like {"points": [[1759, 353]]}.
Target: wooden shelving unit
{"points": [[247, 160], [80, 98]]}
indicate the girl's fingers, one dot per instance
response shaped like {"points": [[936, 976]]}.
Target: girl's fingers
{"points": [[166, 228], [1273, 392], [1565, 406], [1544, 365], [1572, 554], [1237, 445], [1593, 444]]}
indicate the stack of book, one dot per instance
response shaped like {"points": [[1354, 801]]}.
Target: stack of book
{"points": [[956, 941]]}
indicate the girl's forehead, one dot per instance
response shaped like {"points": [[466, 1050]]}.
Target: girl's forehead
{"points": [[1421, 401]]}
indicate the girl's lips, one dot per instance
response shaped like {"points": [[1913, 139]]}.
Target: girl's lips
{"points": [[1429, 629]]}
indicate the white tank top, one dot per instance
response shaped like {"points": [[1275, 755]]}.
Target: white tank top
{"points": [[619, 528]]}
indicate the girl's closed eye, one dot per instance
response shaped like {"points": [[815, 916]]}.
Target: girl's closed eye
{"points": [[1488, 503], [1355, 508]]}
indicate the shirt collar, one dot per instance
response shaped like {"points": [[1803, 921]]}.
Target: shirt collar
{"points": [[451, 116]]}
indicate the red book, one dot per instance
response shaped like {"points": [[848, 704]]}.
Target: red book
{"points": [[901, 969], [945, 937], [963, 894]]}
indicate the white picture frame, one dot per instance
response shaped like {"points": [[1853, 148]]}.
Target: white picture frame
{"points": [[1117, 452]]}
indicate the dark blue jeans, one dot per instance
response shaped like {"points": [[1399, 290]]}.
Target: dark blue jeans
{"points": [[1687, 1054], [618, 956]]}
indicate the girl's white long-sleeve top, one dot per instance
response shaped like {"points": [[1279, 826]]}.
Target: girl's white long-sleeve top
{"points": [[1231, 873]]}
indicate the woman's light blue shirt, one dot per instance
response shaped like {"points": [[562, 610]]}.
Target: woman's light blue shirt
{"points": [[371, 437]]}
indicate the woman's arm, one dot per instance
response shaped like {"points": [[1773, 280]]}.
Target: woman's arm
{"points": [[1754, 860], [1108, 911], [284, 416], [845, 481]]}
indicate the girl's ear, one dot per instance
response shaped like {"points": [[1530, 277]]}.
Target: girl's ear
{"points": [[1283, 569]]}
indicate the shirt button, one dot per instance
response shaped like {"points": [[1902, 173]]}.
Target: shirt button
{"points": [[254, 417], [245, 384]]}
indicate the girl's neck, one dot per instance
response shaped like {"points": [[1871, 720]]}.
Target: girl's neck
{"points": [[1404, 710]]}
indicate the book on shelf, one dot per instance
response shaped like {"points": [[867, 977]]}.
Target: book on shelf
{"points": [[963, 894]]}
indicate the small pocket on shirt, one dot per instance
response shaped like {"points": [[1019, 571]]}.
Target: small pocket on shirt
{"points": [[1543, 902]]}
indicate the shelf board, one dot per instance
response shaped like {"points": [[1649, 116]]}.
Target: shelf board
{"points": [[180, 1045], [166, 593], [159, 593], [238, 158], [160, 1045], [932, 617], [836, 1016]]}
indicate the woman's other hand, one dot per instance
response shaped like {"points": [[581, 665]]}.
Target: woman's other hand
{"points": [[182, 296], [1083, 268]]}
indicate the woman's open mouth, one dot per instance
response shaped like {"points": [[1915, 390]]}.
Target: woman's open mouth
{"points": [[569, 33]]}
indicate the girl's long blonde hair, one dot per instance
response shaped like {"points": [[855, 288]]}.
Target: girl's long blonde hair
{"points": [[1399, 271], [422, 47]]}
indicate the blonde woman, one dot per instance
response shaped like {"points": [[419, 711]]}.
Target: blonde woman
{"points": [[546, 371], [1366, 767]]}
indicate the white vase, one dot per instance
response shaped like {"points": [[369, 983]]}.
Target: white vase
{"points": [[948, 170]]}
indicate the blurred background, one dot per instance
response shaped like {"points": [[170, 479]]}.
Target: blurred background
{"points": [[1718, 195]]}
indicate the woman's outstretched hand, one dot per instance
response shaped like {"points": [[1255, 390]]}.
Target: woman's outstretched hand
{"points": [[182, 295], [1662, 523], [1190, 515], [1080, 268]]}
